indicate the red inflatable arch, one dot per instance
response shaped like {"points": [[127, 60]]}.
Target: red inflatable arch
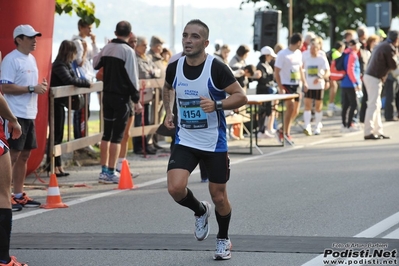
{"points": [[40, 15]]}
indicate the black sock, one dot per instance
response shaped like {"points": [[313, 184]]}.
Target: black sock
{"points": [[223, 222], [5, 233], [192, 203]]}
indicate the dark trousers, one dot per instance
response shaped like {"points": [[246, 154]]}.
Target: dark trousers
{"points": [[349, 101], [363, 106], [59, 122], [391, 89]]}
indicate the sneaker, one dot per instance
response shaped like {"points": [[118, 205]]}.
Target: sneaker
{"points": [[14, 262], [344, 129], [354, 129], [201, 223], [118, 172], [308, 131], [269, 134], [101, 177], [317, 131], [223, 247], [288, 138], [111, 179], [280, 136], [204, 180], [15, 207], [26, 202]]}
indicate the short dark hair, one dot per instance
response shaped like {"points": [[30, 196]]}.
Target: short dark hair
{"points": [[251, 69], [393, 35], [123, 28], [21, 36], [199, 22], [338, 45], [82, 24], [295, 38], [242, 50]]}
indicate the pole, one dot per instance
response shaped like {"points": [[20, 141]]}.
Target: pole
{"points": [[377, 18], [172, 25], [290, 19]]}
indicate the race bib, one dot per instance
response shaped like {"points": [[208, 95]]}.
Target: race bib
{"points": [[313, 71], [191, 114], [295, 75]]}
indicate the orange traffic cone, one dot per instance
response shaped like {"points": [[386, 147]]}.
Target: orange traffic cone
{"points": [[125, 179], [53, 195]]}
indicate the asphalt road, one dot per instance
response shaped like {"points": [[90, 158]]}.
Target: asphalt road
{"points": [[290, 205]]}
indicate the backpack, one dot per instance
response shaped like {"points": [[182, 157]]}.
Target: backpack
{"points": [[337, 68], [340, 62]]}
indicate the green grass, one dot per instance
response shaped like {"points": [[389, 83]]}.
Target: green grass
{"points": [[94, 127]]}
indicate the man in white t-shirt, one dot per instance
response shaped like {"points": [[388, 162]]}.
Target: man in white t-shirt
{"points": [[19, 78], [288, 73], [317, 71]]}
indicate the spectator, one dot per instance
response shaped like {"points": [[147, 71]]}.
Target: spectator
{"points": [[382, 61], [5, 183], [266, 86], [203, 136], [62, 74], [277, 48], [288, 74], [371, 42], [155, 55], [335, 52], [218, 45], [166, 55], [237, 64], [391, 89], [126, 134], [223, 54], [349, 85], [86, 50], [348, 36], [19, 78], [120, 87], [317, 71], [244, 74], [147, 70], [306, 42]]}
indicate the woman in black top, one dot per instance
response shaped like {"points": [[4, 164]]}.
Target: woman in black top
{"points": [[266, 86], [63, 74]]}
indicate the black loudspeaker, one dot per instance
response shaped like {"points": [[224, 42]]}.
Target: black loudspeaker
{"points": [[266, 28]]}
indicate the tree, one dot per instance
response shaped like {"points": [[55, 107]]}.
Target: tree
{"points": [[327, 18], [83, 9]]}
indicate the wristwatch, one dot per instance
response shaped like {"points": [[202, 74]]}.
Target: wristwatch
{"points": [[31, 89], [219, 105]]}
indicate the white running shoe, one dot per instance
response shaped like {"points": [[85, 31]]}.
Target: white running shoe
{"points": [[111, 179], [201, 223], [266, 135], [308, 131], [317, 131], [223, 248], [101, 177]]}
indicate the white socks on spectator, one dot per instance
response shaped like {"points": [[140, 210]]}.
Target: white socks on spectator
{"points": [[119, 164], [307, 115], [318, 116]]}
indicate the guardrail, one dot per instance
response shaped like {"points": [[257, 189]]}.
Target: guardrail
{"points": [[90, 139]]}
